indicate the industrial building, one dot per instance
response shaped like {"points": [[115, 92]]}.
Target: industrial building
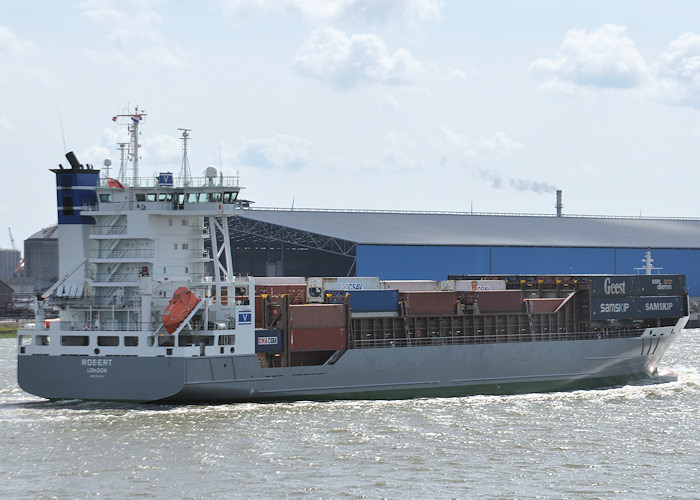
{"points": [[9, 262], [414, 245], [41, 257]]}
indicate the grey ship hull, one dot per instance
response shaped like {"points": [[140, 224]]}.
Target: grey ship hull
{"points": [[378, 373]]}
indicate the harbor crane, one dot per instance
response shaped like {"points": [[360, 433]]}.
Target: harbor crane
{"points": [[12, 240]]}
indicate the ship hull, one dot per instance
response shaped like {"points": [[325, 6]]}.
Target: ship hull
{"points": [[378, 373]]}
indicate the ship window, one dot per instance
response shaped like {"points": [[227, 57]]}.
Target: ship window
{"points": [[140, 197], [108, 340], [229, 197], [131, 341], [42, 340], [151, 196], [227, 339], [215, 197], [27, 339], [185, 222], [105, 197], [175, 246], [185, 246], [75, 340]]}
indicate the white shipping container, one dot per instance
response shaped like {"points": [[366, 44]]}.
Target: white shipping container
{"points": [[280, 280], [354, 283], [411, 285], [479, 285]]}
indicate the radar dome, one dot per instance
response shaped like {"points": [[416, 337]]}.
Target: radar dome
{"points": [[210, 172]]}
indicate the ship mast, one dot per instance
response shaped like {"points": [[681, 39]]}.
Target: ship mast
{"points": [[185, 175], [133, 127]]}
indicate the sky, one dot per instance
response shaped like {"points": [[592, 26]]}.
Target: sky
{"points": [[429, 105]]}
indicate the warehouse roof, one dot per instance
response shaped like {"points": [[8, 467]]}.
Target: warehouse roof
{"points": [[413, 228]]}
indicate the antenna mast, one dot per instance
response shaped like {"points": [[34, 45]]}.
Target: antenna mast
{"points": [[185, 175], [133, 127]]}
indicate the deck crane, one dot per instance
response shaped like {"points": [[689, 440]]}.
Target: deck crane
{"points": [[12, 240]]}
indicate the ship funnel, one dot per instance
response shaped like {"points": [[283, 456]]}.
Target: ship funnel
{"points": [[73, 160], [559, 205]]}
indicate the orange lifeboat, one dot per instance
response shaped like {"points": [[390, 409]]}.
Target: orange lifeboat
{"points": [[180, 306]]}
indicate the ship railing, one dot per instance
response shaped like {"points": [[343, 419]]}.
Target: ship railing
{"points": [[112, 300], [101, 326], [124, 253], [112, 277], [218, 181], [108, 230], [495, 338]]}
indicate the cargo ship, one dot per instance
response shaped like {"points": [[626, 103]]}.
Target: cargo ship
{"points": [[149, 309]]}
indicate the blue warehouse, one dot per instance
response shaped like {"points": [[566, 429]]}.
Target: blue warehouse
{"points": [[417, 245]]}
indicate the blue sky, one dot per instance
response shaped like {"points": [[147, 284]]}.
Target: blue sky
{"points": [[431, 105]]}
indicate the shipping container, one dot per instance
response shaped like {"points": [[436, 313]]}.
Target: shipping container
{"points": [[280, 280], [368, 300], [430, 303], [317, 315], [479, 285], [637, 285], [268, 341], [660, 307], [614, 286], [660, 284], [317, 339], [351, 283], [497, 301], [613, 308], [411, 285]]}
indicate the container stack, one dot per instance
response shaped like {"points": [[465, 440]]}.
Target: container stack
{"points": [[317, 327], [625, 297]]}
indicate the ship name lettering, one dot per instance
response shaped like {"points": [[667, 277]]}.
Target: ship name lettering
{"points": [[96, 362], [611, 288]]}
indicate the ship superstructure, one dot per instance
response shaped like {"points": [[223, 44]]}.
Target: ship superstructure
{"points": [[150, 309]]}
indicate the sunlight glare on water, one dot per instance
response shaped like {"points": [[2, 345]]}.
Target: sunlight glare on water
{"points": [[619, 442]]}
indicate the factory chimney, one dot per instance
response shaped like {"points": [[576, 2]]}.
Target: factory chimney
{"points": [[559, 206]]}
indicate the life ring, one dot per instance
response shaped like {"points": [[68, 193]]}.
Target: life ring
{"points": [[219, 207]]}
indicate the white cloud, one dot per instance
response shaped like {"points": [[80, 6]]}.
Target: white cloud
{"points": [[345, 61], [324, 12], [11, 44], [605, 58], [678, 72], [131, 29], [5, 123], [499, 143], [281, 151]]}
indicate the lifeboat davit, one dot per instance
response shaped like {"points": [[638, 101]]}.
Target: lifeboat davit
{"points": [[179, 308]]}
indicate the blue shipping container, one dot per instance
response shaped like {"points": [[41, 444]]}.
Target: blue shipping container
{"points": [[369, 300], [268, 341], [659, 307]]}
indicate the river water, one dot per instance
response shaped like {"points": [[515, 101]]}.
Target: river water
{"points": [[641, 440]]}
